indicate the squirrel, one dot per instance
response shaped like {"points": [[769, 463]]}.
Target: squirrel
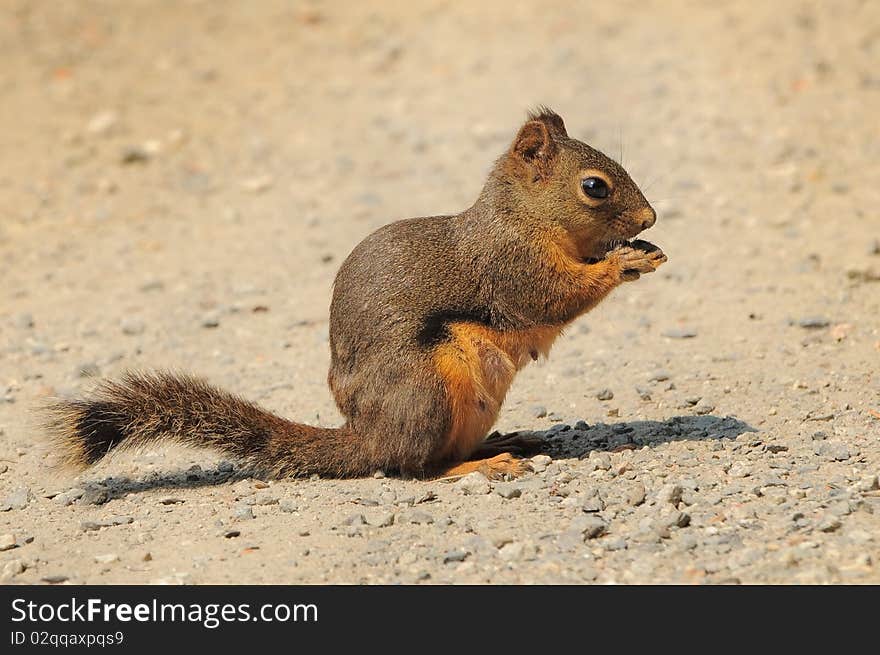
{"points": [[431, 318]]}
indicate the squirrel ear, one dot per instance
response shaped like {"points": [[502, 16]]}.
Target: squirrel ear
{"points": [[534, 144], [551, 119]]}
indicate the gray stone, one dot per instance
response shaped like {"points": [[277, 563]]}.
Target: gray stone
{"points": [[265, 498], [456, 555], [354, 520], [605, 394], [13, 568], [813, 322], [135, 155], [90, 526], [508, 490], [17, 499], [243, 512], [617, 543], [739, 470], [636, 494], [659, 375], [68, 497], [588, 526], [669, 493], [704, 407], [679, 333], [420, 518], [833, 450], [473, 484], [600, 460], [107, 558], [592, 502], [540, 463], [539, 411], [868, 483], [511, 551], [382, 519], [829, 523]]}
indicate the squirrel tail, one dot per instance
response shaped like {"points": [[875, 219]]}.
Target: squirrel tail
{"points": [[144, 408]]}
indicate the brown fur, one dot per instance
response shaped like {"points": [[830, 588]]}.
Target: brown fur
{"points": [[430, 320]]}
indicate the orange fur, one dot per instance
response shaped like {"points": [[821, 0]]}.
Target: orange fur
{"points": [[478, 365], [492, 467]]}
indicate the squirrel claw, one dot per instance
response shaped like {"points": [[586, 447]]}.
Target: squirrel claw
{"points": [[501, 466], [638, 257]]}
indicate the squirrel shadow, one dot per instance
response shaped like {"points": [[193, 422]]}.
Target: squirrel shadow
{"points": [[562, 441], [569, 441]]}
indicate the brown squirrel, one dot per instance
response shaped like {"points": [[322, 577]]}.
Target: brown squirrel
{"points": [[431, 319]]}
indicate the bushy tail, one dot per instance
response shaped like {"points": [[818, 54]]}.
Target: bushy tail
{"points": [[147, 408]]}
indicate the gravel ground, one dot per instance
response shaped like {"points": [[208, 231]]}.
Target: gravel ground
{"points": [[180, 181]]}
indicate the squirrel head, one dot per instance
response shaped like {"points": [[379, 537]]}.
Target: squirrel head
{"points": [[554, 177]]}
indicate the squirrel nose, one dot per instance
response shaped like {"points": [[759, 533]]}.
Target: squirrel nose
{"points": [[648, 217]]}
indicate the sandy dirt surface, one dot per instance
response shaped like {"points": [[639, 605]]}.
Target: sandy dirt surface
{"points": [[179, 182]]}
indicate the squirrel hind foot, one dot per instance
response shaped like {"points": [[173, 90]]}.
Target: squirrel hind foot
{"points": [[498, 467]]}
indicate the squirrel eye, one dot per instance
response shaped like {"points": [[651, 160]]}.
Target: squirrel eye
{"points": [[595, 187]]}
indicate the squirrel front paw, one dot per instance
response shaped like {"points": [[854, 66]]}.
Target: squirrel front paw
{"points": [[636, 258]]}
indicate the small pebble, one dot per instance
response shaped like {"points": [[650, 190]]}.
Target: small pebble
{"points": [[669, 493], [381, 520], [636, 495], [69, 497], [12, 568], [243, 512], [473, 484], [540, 463], [55, 579], [135, 155], [605, 394], [457, 555], [679, 333], [24, 321], [16, 500], [829, 524], [658, 376], [132, 326], [109, 558], [813, 322], [590, 526], [600, 460], [508, 490], [739, 470]]}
